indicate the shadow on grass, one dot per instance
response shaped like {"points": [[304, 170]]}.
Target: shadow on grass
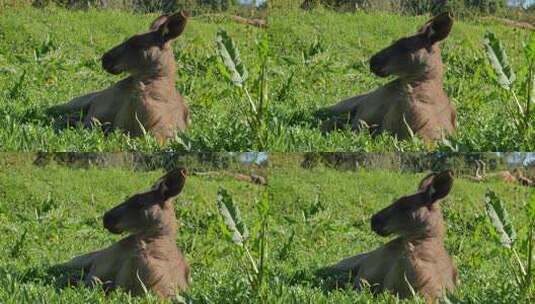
{"points": [[329, 281], [61, 120], [322, 279], [54, 276]]}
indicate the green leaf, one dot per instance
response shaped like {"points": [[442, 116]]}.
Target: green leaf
{"points": [[499, 60], [531, 208], [500, 219], [263, 206], [532, 93], [529, 48], [230, 55], [231, 215]]}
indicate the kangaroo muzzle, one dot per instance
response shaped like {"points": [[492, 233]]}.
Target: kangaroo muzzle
{"points": [[109, 63], [110, 221], [378, 225]]}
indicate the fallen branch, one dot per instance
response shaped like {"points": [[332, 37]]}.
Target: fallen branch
{"points": [[512, 23], [252, 178], [254, 22], [261, 23]]}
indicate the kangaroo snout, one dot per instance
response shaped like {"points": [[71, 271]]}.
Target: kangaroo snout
{"points": [[378, 225], [108, 64], [377, 65], [110, 222]]}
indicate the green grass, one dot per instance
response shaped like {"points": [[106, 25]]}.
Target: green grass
{"points": [[329, 212], [48, 56], [341, 69], [50, 214]]}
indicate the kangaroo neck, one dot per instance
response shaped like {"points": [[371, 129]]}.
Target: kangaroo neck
{"points": [[422, 241], [428, 90], [432, 75], [153, 79], [166, 229], [432, 78], [163, 72], [431, 235]]}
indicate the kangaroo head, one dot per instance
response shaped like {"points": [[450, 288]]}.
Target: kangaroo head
{"points": [[414, 56], [148, 211], [418, 214], [147, 53]]}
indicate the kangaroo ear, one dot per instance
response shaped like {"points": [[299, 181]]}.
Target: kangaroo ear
{"points": [[172, 183], [438, 28], [426, 181], [158, 22], [437, 186], [173, 26]]}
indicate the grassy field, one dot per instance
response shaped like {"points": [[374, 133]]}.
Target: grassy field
{"points": [[329, 213], [316, 217], [48, 56], [50, 214], [322, 58]]}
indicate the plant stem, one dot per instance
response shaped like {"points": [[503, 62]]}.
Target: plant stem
{"points": [[519, 261], [253, 263], [247, 273], [520, 109], [529, 94], [250, 99], [262, 251], [530, 256]]}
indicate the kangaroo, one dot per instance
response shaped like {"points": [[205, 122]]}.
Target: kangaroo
{"points": [[522, 179], [416, 259], [148, 259], [514, 177], [413, 103], [147, 100]]}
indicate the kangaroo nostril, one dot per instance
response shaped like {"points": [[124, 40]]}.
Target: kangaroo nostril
{"points": [[378, 65], [375, 63], [376, 223], [109, 221], [106, 61]]}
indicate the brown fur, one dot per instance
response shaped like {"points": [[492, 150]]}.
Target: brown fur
{"points": [[522, 179], [415, 101], [417, 258], [147, 100], [514, 177], [148, 258]]}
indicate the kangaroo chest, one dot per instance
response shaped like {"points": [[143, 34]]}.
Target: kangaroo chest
{"points": [[417, 111], [152, 269], [429, 273], [144, 108]]}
